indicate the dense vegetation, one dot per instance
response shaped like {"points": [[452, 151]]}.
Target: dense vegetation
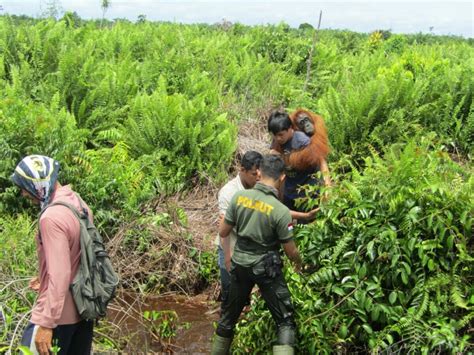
{"points": [[135, 111], [392, 254]]}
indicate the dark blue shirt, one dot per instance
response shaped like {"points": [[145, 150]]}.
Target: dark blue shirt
{"points": [[299, 141], [297, 178]]}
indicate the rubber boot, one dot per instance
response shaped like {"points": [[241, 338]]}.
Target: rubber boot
{"points": [[286, 335], [220, 345], [283, 350]]}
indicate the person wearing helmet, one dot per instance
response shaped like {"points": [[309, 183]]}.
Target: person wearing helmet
{"points": [[54, 318]]}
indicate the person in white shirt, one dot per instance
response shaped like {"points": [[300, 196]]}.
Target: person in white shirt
{"points": [[246, 179]]}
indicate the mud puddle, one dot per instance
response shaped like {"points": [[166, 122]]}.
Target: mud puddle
{"points": [[164, 324]]}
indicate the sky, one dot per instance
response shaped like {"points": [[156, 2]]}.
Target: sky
{"points": [[455, 17]]}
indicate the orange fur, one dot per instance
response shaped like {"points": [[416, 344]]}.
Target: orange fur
{"points": [[317, 150]]}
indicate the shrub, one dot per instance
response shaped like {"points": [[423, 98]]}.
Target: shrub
{"points": [[392, 252]]}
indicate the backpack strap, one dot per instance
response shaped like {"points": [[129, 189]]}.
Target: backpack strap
{"points": [[85, 212]]}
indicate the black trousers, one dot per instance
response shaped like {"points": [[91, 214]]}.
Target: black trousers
{"points": [[70, 338], [274, 291]]}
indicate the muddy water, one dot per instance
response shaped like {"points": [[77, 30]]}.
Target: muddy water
{"points": [[193, 327]]}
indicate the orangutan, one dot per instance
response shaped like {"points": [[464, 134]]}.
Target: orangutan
{"points": [[317, 151]]}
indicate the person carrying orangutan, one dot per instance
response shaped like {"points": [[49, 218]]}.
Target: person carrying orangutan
{"points": [[291, 142]]}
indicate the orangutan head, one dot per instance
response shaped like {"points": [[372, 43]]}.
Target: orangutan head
{"points": [[305, 123]]}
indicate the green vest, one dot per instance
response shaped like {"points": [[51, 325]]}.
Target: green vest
{"points": [[261, 222]]}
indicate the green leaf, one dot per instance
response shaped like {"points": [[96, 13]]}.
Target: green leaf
{"points": [[342, 333], [367, 328], [362, 271], [339, 291], [431, 264], [25, 350], [345, 279], [372, 286], [392, 297], [404, 276], [407, 268], [370, 250], [374, 314], [450, 241], [347, 254], [411, 244]]}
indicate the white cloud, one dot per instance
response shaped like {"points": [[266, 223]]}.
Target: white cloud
{"points": [[447, 17]]}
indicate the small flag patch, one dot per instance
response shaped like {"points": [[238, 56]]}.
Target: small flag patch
{"points": [[290, 227]]}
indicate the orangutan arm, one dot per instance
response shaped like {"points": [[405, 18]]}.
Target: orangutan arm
{"points": [[325, 171]]}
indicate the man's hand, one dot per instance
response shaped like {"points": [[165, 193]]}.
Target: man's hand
{"points": [[310, 215], [291, 251], [34, 284], [43, 340], [220, 219], [227, 264]]}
